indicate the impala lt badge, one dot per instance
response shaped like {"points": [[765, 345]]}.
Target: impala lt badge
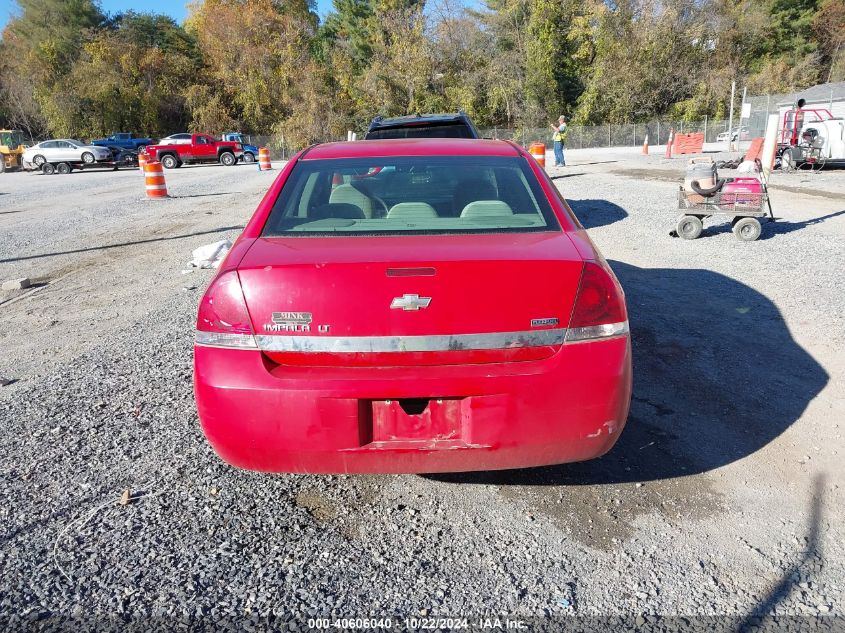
{"points": [[410, 302]]}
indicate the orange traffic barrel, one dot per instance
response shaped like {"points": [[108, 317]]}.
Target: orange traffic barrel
{"points": [[538, 151], [264, 163], [154, 180], [142, 160]]}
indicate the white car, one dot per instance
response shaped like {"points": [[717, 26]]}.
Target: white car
{"points": [[176, 139], [741, 133], [65, 150]]}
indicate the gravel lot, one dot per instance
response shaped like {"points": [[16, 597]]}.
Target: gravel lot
{"points": [[723, 497]]}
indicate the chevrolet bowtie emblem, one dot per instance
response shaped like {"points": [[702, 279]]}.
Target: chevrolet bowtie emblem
{"points": [[410, 302]]}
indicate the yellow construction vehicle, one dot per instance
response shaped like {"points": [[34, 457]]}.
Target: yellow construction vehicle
{"points": [[11, 149]]}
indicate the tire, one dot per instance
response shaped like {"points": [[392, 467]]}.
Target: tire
{"points": [[141, 149], [689, 227], [747, 229], [63, 168], [227, 159], [38, 160], [88, 158], [169, 161], [48, 169], [249, 158]]}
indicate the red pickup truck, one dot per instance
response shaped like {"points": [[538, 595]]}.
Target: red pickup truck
{"points": [[174, 151]]}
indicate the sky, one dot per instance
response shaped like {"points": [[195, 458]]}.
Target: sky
{"points": [[174, 8]]}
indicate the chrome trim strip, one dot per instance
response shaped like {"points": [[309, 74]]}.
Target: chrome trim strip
{"points": [[429, 343]]}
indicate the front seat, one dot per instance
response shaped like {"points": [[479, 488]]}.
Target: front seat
{"points": [[471, 190], [347, 194]]}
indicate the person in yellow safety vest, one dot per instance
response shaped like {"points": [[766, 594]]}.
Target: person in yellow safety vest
{"points": [[559, 138]]}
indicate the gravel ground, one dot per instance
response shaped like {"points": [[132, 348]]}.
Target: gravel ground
{"points": [[723, 499]]}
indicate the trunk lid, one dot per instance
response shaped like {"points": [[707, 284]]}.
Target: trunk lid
{"points": [[410, 300]]}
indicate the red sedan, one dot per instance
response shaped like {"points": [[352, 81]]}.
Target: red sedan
{"points": [[412, 306]]}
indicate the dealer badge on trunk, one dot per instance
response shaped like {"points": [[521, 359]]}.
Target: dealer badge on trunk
{"points": [[293, 322]]}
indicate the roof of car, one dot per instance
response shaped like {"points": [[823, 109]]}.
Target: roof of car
{"points": [[412, 118], [412, 147]]}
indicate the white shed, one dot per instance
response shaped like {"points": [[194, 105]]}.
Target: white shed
{"points": [[830, 96]]}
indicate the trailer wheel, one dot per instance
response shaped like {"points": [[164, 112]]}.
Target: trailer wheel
{"points": [[689, 227], [48, 169], [63, 168], [747, 229]]}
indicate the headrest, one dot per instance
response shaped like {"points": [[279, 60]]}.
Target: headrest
{"points": [[412, 211], [486, 209]]}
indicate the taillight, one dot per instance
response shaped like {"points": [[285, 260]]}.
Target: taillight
{"points": [[223, 320], [599, 309]]}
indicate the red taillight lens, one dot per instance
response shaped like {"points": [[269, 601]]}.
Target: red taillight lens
{"points": [[223, 319], [599, 306]]}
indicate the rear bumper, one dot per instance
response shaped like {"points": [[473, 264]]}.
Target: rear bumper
{"points": [[266, 417]]}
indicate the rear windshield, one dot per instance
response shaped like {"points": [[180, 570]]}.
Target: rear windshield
{"points": [[433, 195], [423, 130]]}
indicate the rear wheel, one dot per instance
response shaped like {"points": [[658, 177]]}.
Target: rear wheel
{"points": [[88, 158], [48, 169], [63, 168], [227, 159], [38, 160], [689, 227], [249, 157], [747, 229], [168, 161]]}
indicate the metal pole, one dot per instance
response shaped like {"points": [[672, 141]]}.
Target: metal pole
{"points": [[658, 131], [705, 128], [731, 118]]}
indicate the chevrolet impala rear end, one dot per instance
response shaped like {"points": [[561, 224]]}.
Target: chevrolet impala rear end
{"points": [[412, 306]]}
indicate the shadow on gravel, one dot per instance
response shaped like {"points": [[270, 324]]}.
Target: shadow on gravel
{"points": [[121, 244], [807, 566], [717, 376], [772, 229], [569, 175], [595, 213]]}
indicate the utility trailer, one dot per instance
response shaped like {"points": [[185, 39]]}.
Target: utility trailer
{"points": [[65, 167]]}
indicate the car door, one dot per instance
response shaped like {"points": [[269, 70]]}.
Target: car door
{"points": [[47, 149], [204, 148], [68, 151]]}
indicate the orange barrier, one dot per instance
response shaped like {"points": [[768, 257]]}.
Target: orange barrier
{"points": [[154, 180], [756, 150], [264, 163], [142, 160], [645, 145], [669, 142], [688, 143], [538, 151]]}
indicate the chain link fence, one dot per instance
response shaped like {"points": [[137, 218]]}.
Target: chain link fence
{"points": [[610, 135]]}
